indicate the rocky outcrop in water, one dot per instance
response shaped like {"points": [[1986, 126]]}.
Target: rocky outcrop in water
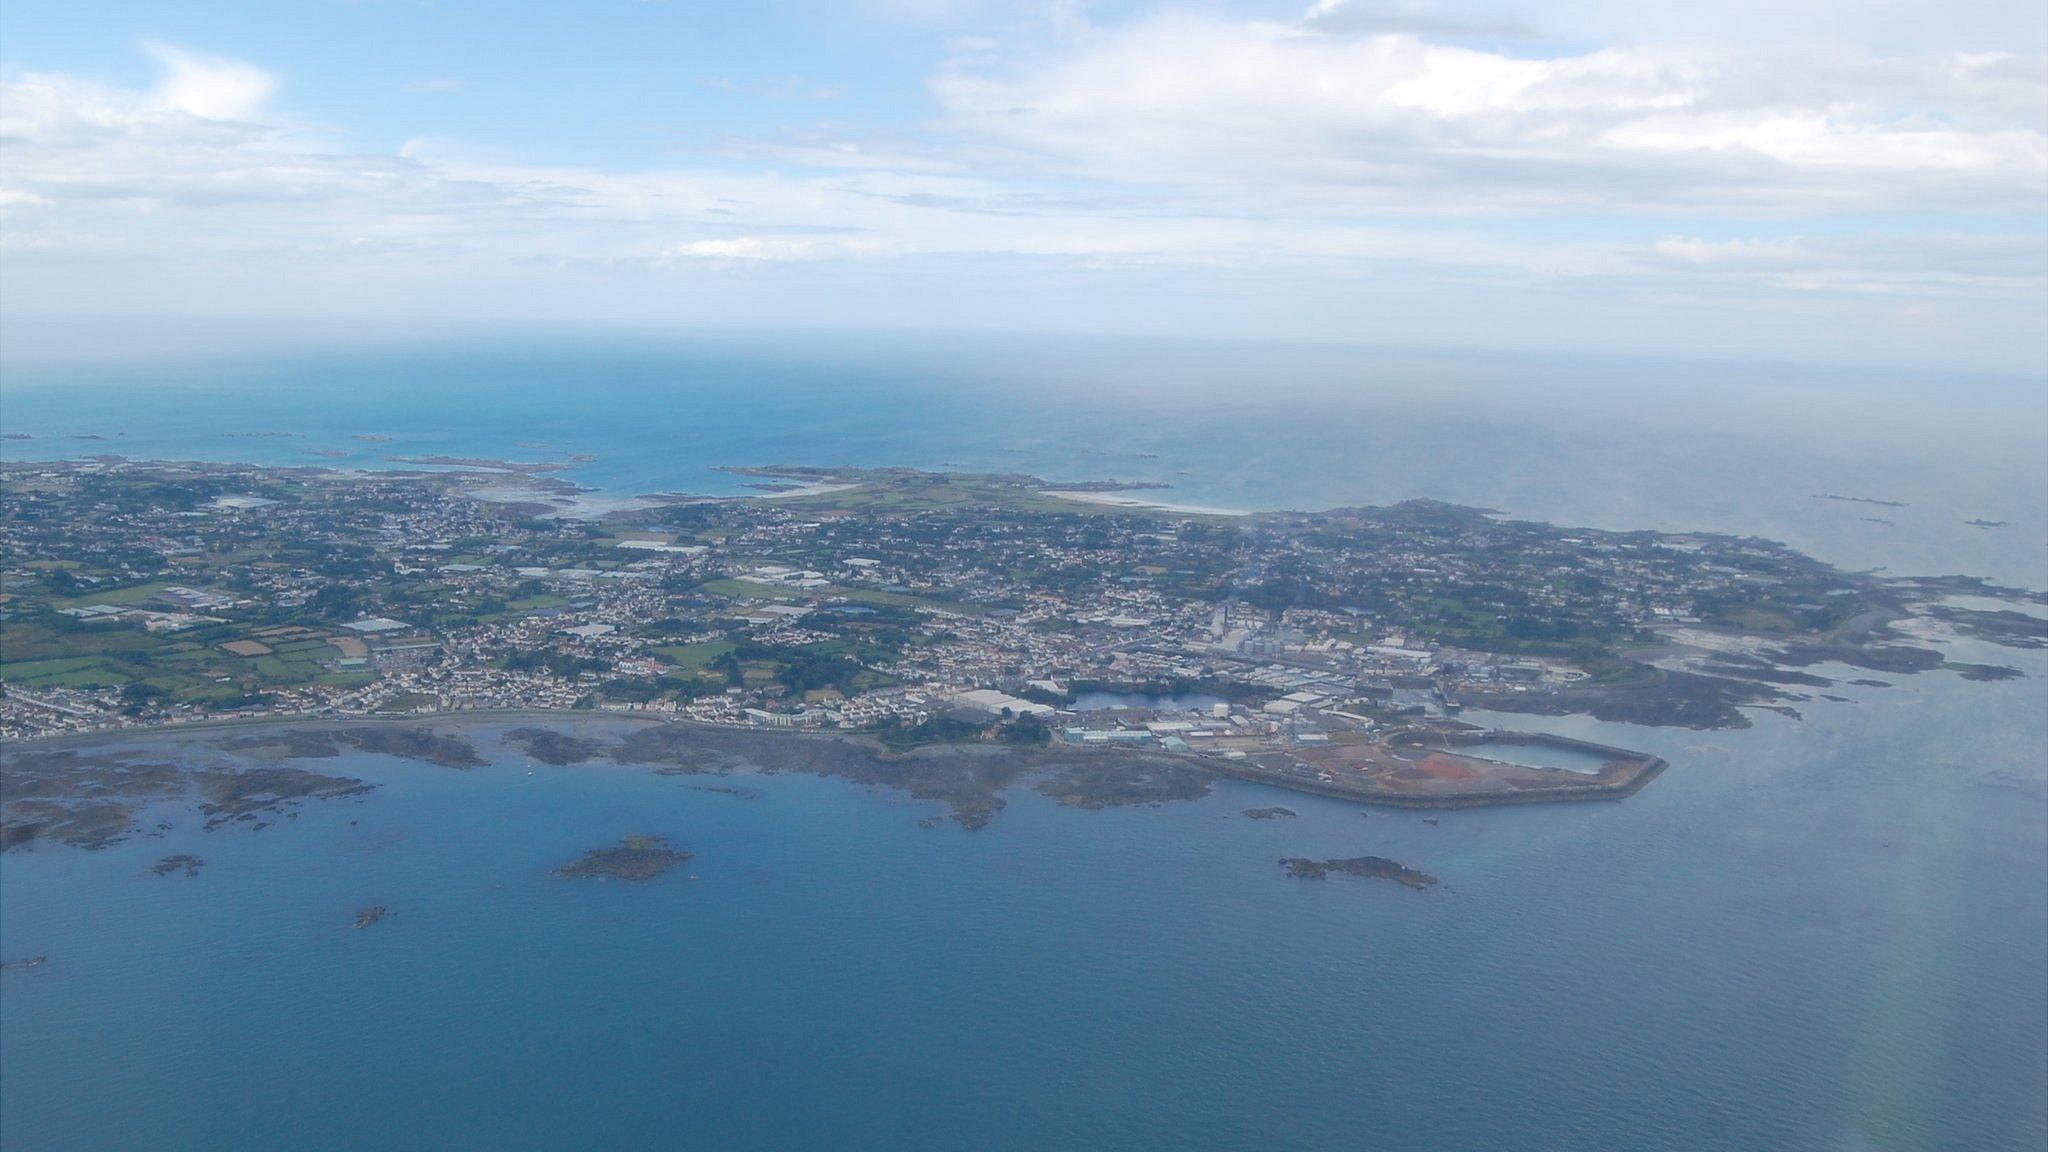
{"points": [[404, 742], [634, 858], [87, 799], [1109, 781], [1377, 867], [1662, 698], [1985, 671], [968, 778], [556, 748], [232, 796], [2003, 626], [169, 864]]}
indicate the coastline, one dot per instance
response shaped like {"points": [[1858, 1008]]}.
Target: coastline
{"points": [[1702, 675], [1652, 768], [1119, 500], [1026, 758], [256, 723]]}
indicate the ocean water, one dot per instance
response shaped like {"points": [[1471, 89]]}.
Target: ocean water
{"points": [[1827, 933], [1602, 443]]}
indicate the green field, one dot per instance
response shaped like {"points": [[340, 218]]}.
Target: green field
{"points": [[62, 672], [186, 664], [904, 600], [132, 594], [695, 657], [544, 600]]}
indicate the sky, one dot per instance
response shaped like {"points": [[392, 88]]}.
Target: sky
{"points": [[1825, 182]]}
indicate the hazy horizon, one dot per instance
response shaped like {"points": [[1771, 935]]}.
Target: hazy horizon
{"points": [[1839, 184], [34, 345]]}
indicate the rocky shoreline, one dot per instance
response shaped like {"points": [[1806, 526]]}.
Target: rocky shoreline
{"points": [[67, 790], [89, 798]]}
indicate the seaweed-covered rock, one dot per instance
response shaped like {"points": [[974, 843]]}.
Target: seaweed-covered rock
{"points": [[1109, 781], [633, 858], [554, 747], [188, 863], [407, 742], [1378, 867], [1984, 671]]}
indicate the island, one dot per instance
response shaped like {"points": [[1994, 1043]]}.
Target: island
{"points": [[945, 633], [180, 862], [1376, 867], [633, 858]]}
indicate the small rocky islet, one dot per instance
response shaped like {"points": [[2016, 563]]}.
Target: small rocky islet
{"points": [[183, 861], [1377, 867], [633, 858]]}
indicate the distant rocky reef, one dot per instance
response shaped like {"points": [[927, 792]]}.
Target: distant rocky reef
{"points": [[90, 798], [1378, 867], [182, 861]]}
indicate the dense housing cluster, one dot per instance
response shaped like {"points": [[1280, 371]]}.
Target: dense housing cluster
{"points": [[922, 606]]}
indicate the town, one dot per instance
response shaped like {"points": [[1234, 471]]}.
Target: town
{"points": [[917, 607]]}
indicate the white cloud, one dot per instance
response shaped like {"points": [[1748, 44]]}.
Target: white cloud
{"points": [[749, 248], [1411, 16], [1207, 160], [1393, 122], [210, 87]]}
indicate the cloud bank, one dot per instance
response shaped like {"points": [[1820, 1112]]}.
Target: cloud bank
{"points": [[1374, 173]]}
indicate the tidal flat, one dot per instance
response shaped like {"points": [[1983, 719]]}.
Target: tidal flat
{"points": [[94, 795], [95, 792], [969, 778]]}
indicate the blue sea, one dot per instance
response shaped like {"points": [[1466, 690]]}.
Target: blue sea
{"points": [[1828, 933]]}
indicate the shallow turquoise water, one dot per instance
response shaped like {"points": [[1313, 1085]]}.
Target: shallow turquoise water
{"points": [[1819, 934], [1602, 443]]}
